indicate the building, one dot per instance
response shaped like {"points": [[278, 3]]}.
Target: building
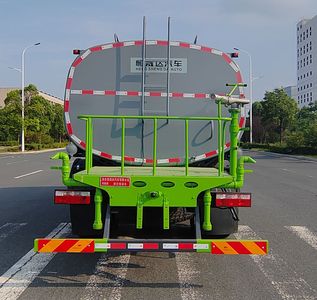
{"points": [[6, 90], [307, 61], [291, 91]]}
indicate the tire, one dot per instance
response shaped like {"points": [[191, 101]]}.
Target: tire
{"points": [[82, 216], [221, 219]]}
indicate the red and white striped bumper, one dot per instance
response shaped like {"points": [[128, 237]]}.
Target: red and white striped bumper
{"points": [[255, 247]]}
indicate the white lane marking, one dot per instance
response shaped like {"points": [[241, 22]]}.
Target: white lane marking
{"points": [[305, 234], [287, 170], [110, 270], [23, 272], [187, 274], [288, 284], [9, 228], [3, 157], [35, 172], [16, 162]]}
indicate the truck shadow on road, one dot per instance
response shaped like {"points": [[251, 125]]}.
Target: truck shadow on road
{"points": [[107, 271]]}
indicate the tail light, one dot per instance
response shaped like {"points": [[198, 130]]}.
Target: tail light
{"points": [[233, 200], [76, 51], [72, 197]]}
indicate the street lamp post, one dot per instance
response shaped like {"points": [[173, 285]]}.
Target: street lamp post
{"points": [[250, 88], [22, 90]]}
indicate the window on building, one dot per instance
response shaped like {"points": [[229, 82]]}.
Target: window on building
{"points": [[304, 75], [311, 85]]}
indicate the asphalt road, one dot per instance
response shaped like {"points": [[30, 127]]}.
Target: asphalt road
{"points": [[284, 212]]}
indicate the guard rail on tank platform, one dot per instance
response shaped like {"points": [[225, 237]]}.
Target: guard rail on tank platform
{"points": [[222, 121]]}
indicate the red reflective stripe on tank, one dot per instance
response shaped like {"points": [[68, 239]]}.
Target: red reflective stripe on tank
{"points": [[228, 145], [206, 49], [241, 122], [83, 144], [69, 128], [66, 106], [155, 94], [200, 95], [106, 155], [95, 49], [87, 92], [129, 158], [162, 43], [118, 45], [148, 161], [118, 246], [174, 160], [110, 93], [69, 83], [226, 58], [184, 45], [77, 62], [132, 93], [185, 246], [138, 43], [239, 77], [211, 153], [177, 94], [151, 246]]}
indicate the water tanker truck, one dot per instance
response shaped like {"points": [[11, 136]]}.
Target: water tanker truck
{"points": [[154, 127]]}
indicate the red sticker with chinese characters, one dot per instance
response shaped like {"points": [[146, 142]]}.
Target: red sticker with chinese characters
{"points": [[115, 181]]}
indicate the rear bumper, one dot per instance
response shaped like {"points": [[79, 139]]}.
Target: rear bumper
{"points": [[232, 247]]}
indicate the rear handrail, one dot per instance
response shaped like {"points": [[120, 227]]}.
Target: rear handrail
{"points": [[221, 137]]}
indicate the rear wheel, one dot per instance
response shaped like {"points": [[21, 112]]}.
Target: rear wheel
{"points": [[82, 216], [221, 219]]}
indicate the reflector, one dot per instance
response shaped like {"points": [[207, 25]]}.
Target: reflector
{"points": [[72, 197], [76, 51], [233, 200]]}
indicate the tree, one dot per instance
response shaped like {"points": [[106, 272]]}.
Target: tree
{"points": [[43, 120], [280, 110]]}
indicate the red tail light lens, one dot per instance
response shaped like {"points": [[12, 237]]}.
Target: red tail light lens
{"points": [[233, 200], [72, 197], [76, 51]]}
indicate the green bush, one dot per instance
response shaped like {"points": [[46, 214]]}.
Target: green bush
{"points": [[295, 139], [254, 146]]}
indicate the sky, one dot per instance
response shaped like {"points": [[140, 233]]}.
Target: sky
{"points": [[266, 29]]}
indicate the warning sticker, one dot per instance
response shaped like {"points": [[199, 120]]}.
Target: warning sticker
{"points": [[159, 65], [115, 181]]}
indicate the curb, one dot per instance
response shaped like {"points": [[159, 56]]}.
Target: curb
{"points": [[31, 152], [299, 157]]}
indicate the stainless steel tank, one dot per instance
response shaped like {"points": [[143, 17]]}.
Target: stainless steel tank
{"points": [[108, 80]]}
